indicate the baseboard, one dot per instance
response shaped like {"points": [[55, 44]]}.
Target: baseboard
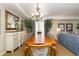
{"points": [[2, 53]]}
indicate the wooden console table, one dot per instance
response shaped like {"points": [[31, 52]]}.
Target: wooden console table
{"points": [[48, 43]]}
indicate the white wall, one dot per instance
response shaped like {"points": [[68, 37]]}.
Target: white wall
{"points": [[55, 25], [2, 50], [39, 26]]}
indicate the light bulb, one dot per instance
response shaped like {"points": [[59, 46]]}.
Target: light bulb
{"points": [[32, 14], [58, 29], [42, 15], [36, 13]]}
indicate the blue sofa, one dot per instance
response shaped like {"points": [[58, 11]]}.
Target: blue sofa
{"points": [[69, 41]]}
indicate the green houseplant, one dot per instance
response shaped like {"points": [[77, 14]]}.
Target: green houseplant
{"points": [[77, 26], [48, 25], [28, 24]]}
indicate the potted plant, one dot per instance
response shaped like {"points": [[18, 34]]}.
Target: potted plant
{"points": [[28, 25], [77, 26], [48, 25]]}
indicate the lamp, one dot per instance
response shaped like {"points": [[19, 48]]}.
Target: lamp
{"points": [[36, 15], [58, 29]]}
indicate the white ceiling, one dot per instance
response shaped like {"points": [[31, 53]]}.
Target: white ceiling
{"points": [[48, 9]]}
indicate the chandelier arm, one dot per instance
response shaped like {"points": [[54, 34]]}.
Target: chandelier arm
{"points": [[41, 18]]}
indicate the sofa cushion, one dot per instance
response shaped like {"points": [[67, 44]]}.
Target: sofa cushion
{"points": [[69, 41]]}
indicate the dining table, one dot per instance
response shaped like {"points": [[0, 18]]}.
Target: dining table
{"points": [[49, 42]]}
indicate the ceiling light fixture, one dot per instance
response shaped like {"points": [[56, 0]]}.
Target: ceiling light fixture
{"points": [[36, 15]]}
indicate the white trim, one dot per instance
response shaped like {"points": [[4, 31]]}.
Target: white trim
{"points": [[19, 7], [39, 1]]}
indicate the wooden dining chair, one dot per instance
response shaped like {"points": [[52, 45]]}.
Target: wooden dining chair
{"points": [[30, 51], [52, 51], [27, 51]]}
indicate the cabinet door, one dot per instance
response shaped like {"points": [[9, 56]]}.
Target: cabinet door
{"points": [[9, 42], [15, 42]]}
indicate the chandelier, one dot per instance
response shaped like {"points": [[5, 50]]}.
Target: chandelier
{"points": [[36, 15]]}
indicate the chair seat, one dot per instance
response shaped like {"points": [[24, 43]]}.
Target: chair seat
{"points": [[39, 51], [48, 51]]}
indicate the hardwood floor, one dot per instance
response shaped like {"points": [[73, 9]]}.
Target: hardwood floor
{"points": [[61, 51]]}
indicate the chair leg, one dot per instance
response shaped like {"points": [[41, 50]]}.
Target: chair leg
{"points": [[27, 52], [54, 51]]}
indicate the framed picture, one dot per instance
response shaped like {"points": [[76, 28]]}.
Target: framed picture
{"points": [[10, 20], [61, 26], [69, 27]]}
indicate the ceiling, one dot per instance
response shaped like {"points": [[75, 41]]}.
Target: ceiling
{"points": [[54, 10]]}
